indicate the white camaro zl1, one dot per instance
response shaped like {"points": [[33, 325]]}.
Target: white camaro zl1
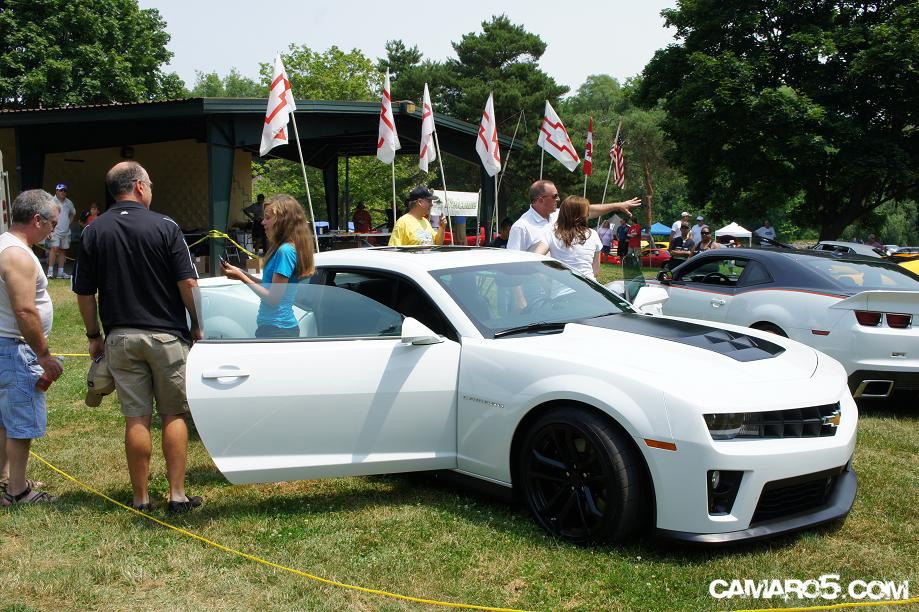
{"points": [[510, 368]]}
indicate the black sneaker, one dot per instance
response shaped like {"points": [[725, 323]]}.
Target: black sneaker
{"points": [[177, 507]]}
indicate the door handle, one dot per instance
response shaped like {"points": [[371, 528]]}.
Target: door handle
{"points": [[225, 374], [717, 303]]}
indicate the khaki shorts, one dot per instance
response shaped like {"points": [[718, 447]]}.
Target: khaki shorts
{"points": [[147, 366], [60, 242]]}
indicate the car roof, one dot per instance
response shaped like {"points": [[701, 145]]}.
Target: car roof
{"points": [[423, 258], [785, 265]]}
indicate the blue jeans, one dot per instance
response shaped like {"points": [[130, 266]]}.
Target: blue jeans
{"points": [[22, 406]]}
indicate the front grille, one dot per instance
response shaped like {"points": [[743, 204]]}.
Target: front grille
{"points": [[810, 422], [789, 496]]}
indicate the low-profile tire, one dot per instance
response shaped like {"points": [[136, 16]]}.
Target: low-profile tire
{"points": [[581, 477], [771, 328]]}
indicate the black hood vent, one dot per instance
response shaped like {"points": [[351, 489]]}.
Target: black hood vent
{"points": [[740, 347]]}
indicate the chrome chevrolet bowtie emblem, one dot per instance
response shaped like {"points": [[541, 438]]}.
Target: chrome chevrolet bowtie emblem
{"points": [[832, 419]]}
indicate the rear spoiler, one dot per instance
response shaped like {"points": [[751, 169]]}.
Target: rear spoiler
{"points": [[882, 301]]}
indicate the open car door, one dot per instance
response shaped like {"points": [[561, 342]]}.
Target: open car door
{"points": [[362, 390]]}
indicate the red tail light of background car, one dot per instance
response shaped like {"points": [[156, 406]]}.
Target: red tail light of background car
{"points": [[873, 319]]}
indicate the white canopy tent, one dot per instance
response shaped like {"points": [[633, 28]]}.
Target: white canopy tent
{"points": [[735, 231]]}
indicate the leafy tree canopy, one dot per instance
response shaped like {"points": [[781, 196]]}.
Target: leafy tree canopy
{"points": [[810, 102], [233, 85], [504, 59], [331, 75], [59, 52]]}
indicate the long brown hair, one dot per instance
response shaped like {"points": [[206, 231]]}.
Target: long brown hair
{"points": [[572, 221], [290, 225]]}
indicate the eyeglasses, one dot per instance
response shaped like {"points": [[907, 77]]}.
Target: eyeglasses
{"points": [[706, 233], [554, 196], [145, 182]]}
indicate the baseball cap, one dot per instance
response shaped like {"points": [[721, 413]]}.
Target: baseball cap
{"points": [[420, 193], [61, 186], [684, 214], [700, 218], [99, 382]]}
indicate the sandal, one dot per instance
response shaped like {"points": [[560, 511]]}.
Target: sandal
{"points": [[28, 497], [177, 507], [31, 484]]}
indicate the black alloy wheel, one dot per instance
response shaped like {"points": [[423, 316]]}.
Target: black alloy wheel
{"points": [[581, 478]]}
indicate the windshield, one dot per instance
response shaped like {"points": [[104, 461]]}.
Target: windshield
{"points": [[506, 296], [863, 275]]}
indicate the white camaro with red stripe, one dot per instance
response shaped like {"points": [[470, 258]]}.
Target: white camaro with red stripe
{"points": [[858, 310], [510, 368]]}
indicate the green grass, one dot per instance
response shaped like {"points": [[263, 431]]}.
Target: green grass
{"points": [[408, 534]]}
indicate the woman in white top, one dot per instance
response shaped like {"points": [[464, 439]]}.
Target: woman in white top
{"points": [[571, 241]]}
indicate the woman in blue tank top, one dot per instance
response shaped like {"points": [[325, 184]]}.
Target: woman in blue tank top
{"points": [[289, 259]]}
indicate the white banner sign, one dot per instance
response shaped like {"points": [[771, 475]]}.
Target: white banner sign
{"points": [[461, 203]]}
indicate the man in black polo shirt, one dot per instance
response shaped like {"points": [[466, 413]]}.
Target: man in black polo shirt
{"points": [[139, 264]]}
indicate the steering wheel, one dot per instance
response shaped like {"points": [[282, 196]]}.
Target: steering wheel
{"points": [[716, 276], [536, 304]]}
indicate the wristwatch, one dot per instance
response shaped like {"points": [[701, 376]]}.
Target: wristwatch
{"points": [[94, 336]]}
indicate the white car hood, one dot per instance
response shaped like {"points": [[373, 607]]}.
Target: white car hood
{"points": [[675, 359]]}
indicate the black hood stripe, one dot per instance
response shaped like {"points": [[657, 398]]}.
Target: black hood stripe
{"points": [[740, 347]]}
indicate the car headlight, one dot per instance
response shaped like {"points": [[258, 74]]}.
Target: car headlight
{"points": [[808, 422], [725, 426]]}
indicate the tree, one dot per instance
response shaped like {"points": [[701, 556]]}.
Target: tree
{"points": [[504, 59], [233, 85], [331, 75], [786, 102], [59, 52]]}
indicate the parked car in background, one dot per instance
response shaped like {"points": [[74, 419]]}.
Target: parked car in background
{"points": [[650, 258], [849, 248], [859, 310], [496, 364]]}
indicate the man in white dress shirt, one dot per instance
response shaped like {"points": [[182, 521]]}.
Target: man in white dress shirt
{"points": [[527, 232]]}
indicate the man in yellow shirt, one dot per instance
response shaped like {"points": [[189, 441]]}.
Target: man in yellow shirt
{"points": [[413, 228]]}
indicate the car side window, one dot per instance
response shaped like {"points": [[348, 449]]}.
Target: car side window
{"points": [[232, 312], [717, 271], [754, 273], [399, 294]]}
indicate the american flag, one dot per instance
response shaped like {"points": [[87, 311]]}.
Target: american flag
{"points": [[615, 158]]}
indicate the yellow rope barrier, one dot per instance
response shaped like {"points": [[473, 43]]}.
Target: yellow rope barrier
{"points": [[233, 551], [218, 234]]}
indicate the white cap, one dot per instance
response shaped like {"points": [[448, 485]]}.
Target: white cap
{"points": [[684, 214], [700, 218]]}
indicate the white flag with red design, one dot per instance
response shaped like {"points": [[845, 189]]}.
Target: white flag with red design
{"points": [[280, 105], [589, 149], [486, 145], [553, 137], [428, 151], [388, 140]]}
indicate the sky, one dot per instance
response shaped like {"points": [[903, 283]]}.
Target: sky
{"points": [[586, 37]]}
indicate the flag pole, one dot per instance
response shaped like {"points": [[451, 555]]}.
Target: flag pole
{"points": [[392, 165], [542, 156], [309, 198], [508, 158], [443, 181], [608, 172], [585, 187]]}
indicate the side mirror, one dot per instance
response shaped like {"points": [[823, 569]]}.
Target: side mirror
{"points": [[416, 333], [665, 276], [650, 300]]}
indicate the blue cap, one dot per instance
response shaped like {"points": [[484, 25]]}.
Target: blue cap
{"points": [[61, 186]]}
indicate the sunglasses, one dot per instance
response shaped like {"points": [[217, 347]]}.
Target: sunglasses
{"points": [[706, 233]]}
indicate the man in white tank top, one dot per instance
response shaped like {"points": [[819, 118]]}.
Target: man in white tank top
{"points": [[25, 322]]}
